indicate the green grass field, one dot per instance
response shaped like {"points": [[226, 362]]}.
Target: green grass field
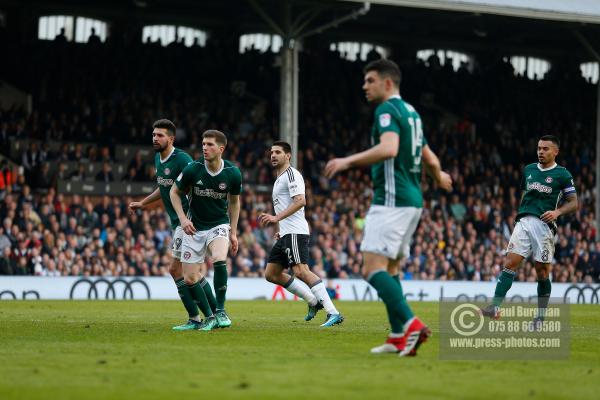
{"points": [[126, 350]]}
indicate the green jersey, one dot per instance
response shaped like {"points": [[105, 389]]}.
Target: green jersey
{"points": [[397, 181], [543, 189], [166, 172], [208, 192]]}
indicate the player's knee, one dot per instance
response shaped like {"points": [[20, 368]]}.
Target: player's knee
{"points": [[191, 277], [542, 273], [273, 276], [368, 268], [303, 273], [512, 263], [175, 269], [300, 274], [270, 277]]}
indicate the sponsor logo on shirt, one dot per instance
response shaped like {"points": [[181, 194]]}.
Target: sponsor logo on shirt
{"points": [[209, 193], [164, 182], [539, 187]]}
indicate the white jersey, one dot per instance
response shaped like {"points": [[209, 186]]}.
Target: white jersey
{"points": [[287, 185]]}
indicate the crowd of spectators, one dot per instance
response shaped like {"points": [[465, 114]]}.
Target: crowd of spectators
{"points": [[482, 122]]}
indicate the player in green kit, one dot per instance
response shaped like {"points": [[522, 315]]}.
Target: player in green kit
{"points": [[397, 152], [213, 186], [544, 185], [169, 162]]}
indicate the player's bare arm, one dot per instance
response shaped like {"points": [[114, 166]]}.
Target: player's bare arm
{"points": [[386, 148], [234, 215], [151, 198], [432, 165], [570, 206], [186, 224], [299, 201]]}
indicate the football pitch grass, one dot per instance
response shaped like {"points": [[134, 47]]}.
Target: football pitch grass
{"points": [[126, 350]]}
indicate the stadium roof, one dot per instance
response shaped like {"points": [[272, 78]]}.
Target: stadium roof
{"points": [[543, 28], [560, 10]]}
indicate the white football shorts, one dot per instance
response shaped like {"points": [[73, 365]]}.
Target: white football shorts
{"points": [[532, 236], [389, 230], [178, 235], [195, 247]]}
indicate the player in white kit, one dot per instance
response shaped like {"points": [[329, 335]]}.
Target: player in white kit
{"points": [[291, 248]]}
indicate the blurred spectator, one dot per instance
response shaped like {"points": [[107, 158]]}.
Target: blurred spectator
{"points": [[483, 141], [79, 174], [94, 39], [106, 174]]}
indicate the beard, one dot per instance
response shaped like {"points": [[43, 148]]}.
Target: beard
{"points": [[158, 148]]}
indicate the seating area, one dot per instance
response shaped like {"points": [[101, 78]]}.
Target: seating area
{"points": [[92, 125]]}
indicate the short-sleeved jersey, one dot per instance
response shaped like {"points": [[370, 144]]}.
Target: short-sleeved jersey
{"points": [[166, 173], [288, 185], [208, 192], [397, 181], [543, 189]]}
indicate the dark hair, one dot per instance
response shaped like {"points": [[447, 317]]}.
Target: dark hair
{"points": [[386, 69], [551, 138], [287, 148], [219, 136], [165, 124]]}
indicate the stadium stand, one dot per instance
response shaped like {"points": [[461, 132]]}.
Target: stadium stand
{"points": [[90, 124]]}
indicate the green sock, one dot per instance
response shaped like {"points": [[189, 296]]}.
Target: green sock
{"points": [[391, 293], [544, 288], [186, 298], [397, 279], [200, 298], [209, 294], [505, 281], [220, 282]]}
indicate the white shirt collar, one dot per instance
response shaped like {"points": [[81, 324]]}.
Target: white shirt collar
{"points": [[215, 173], [395, 96], [546, 169], [170, 154]]}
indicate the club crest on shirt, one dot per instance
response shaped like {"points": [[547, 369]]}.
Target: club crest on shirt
{"points": [[222, 186], [549, 179], [167, 171]]}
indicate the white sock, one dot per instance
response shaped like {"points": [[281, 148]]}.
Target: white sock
{"points": [[299, 288], [321, 294], [196, 318]]}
